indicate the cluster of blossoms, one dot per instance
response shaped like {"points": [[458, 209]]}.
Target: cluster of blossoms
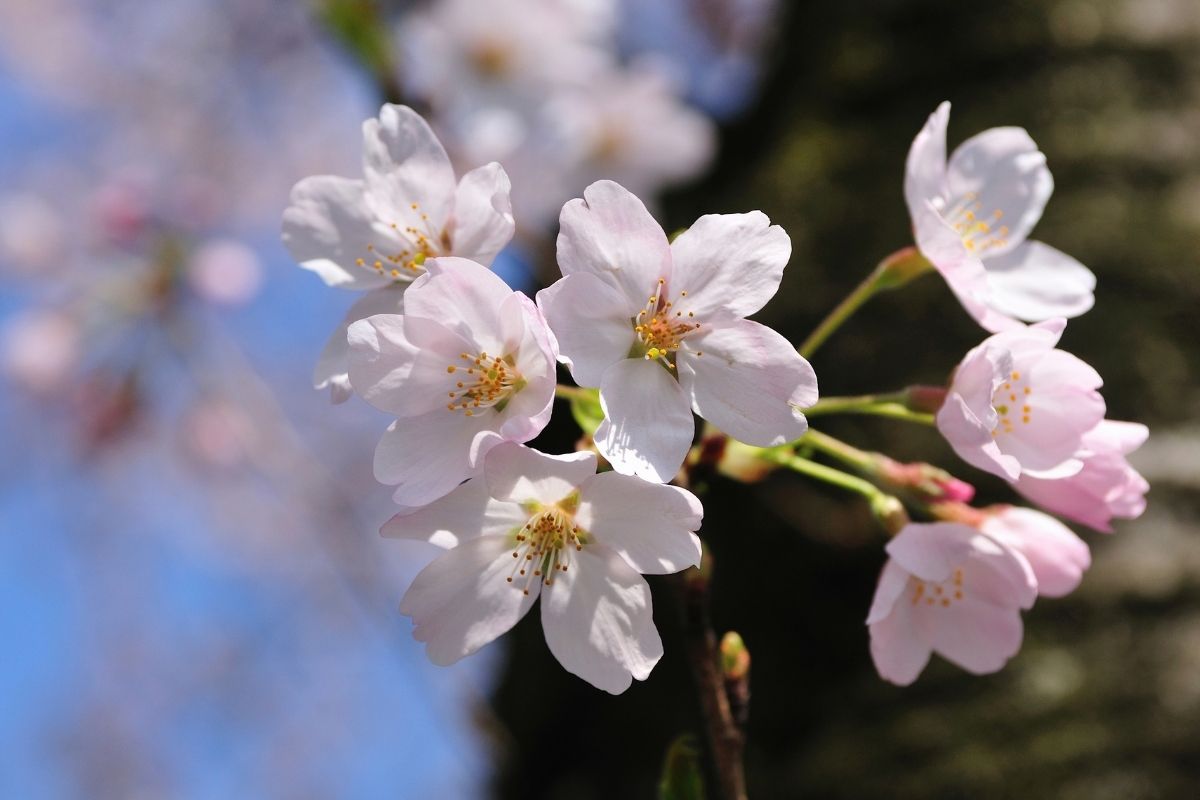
{"points": [[655, 330]]}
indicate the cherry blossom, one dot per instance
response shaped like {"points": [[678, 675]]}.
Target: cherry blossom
{"points": [[543, 525], [659, 327], [469, 364], [376, 232], [950, 589], [1019, 406], [972, 215], [1056, 555], [1105, 487]]}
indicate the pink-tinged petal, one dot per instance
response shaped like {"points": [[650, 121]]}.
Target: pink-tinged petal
{"points": [[1033, 281], [1001, 170], [748, 381], [591, 320], [529, 410], [399, 363], [925, 169], [973, 634], [333, 365], [897, 648], [483, 220], [404, 163], [998, 574], [730, 265], [1057, 556], [893, 580], [932, 551], [466, 513], [327, 227], [465, 297], [649, 524], [971, 439], [648, 425], [521, 474], [1116, 436], [426, 457], [610, 234], [462, 600], [598, 620]]}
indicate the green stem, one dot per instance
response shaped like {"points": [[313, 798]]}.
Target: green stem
{"points": [[573, 392], [834, 477], [892, 405], [893, 272], [836, 448]]}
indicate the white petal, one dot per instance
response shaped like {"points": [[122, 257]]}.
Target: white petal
{"points": [[1004, 171], [591, 320], [466, 513], [483, 220], [925, 170], [522, 474], [404, 163], [750, 382], [1033, 281], [462, 600], [648, 426], [333, 365], [649, 524], [611, 234], [465, 297], [598, 620], [399, 363], [327, 227], [729, 264], [426, 457]]}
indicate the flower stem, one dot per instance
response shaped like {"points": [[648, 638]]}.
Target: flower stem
{"points": [[894, 405], [573, 392], [893, 272], [812, 469]]}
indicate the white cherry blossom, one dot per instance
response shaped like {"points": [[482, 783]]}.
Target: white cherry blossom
{"points": [[542, 525]]}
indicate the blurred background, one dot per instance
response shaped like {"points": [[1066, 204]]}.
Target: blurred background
{"points": [[194, 601]]}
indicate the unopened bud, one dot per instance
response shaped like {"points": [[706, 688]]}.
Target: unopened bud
{"points": [[926, 399], [890, 513], [901, 267], [735, 658]]}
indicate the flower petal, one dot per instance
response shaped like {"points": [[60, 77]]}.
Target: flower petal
{"points": [[462, 600], [893, 580], [1057, 556], [897, 648], [932, 550], [975, 635], [1033, 281], [333, 365], [426, 457], [648, 426], [466, 297], [327, 227], [598, 620], [748, 381], [1003, 171], [729, 264], [521, 474], [609, 233], [483, 220], [649, 524], [405, 164], [466, 513], [591, 320], [925, 169]]}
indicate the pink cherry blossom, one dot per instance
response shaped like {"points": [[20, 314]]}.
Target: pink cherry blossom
{"points": [[1019, 406], [537, 524], [469, 364], [1105, 487], [660, 328], [1056, 555], [950, 589], [972, 215], [376, 232]]}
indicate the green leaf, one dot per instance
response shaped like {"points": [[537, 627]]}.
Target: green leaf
{"points": [[681, 778], [585, 408]]}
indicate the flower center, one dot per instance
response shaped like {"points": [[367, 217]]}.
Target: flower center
{"points": [[485, 382], [540, 542], [660, 328], [942, 594], [423, 242], [978, 230], [1011, 401]]}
